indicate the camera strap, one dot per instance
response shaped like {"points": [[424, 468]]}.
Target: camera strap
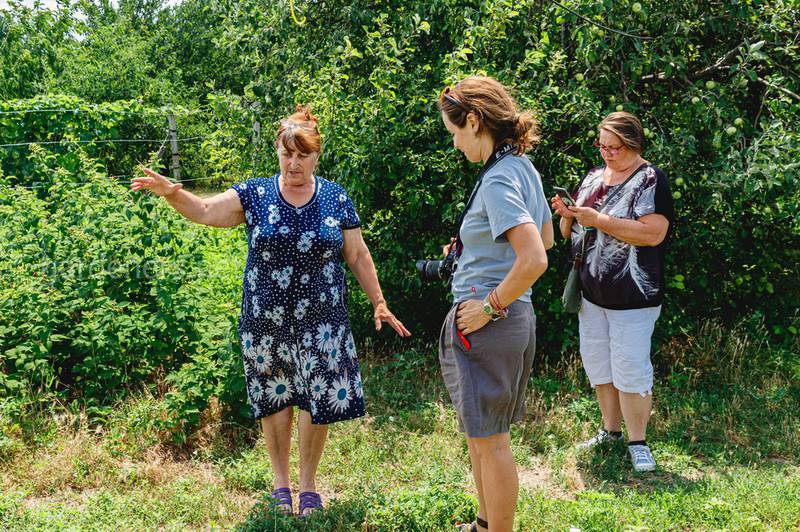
{"points": [[493, 159]]}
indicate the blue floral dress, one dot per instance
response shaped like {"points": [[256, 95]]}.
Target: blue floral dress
{"points": [[296, 340]]}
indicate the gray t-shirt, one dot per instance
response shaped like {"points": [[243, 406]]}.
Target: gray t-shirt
{"points": [[511, 194]]}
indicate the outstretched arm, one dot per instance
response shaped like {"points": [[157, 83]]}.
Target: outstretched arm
{"points": [[222, 210]]}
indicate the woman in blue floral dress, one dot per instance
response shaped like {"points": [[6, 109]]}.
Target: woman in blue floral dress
{"points": [[296, 339]]}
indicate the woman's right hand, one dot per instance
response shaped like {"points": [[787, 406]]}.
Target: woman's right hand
{"points": [[561, 208], [155, 183], [446, 247]]}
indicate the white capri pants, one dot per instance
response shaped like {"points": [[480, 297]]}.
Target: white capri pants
{"points": [[615, 346]]}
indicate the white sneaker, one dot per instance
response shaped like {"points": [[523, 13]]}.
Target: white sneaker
{"points": [[602, 436], [641, 458]]}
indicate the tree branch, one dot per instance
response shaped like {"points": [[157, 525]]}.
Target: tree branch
{"points": [[719, 64], [779, 88]]}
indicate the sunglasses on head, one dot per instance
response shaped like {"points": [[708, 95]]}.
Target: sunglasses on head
{"points": [[452, 100]]}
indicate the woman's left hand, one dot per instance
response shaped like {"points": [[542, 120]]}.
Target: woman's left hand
{"points": [[383, 314], [470, 316], [586, 216]]}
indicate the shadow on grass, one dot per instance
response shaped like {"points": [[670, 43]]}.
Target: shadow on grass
{"points": [[608, 468], [403, 388]]}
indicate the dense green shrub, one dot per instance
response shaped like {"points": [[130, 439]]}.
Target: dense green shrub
{"points": [[92, 285]]}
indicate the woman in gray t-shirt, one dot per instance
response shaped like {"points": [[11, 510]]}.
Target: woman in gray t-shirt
{"points": [[488, 339]]}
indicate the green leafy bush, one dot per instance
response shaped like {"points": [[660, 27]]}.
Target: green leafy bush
{"points": [[92, 285]]}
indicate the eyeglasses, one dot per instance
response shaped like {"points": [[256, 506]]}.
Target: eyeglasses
{"points": [[446, 96], [612, 150]]}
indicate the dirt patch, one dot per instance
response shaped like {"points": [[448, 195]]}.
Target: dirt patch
{"points": [[540, 477]]}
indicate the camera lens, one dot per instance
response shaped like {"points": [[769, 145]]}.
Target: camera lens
{"points": [[428, 269]]}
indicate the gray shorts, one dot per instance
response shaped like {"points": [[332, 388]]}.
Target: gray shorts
{"points": [[487, 381]]}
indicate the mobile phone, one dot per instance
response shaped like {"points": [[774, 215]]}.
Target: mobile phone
{"points": [[565, 196]]}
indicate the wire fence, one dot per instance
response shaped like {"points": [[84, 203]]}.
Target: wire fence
{"points": [[101, 110], [66, 142]]}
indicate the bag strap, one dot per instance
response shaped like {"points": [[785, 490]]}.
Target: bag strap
{"points": [[579, 257]]}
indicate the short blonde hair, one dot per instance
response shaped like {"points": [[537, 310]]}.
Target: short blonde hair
{"points": [[627, 127]]}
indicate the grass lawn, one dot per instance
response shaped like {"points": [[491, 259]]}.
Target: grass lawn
{"points": [[725, 432], [727, 460]]}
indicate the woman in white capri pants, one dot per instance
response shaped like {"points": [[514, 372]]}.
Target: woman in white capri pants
{"points": [[621, 221]]}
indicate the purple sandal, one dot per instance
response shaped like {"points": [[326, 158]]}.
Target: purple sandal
{"points": [[282, 497], [309, 500]]}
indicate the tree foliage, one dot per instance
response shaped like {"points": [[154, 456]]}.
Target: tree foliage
{"points": [[715, 83]]}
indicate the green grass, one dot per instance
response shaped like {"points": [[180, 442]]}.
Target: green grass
{"points": [[727, 454]]}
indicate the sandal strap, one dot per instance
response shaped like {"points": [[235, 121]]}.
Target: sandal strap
{"points": [[473, 526], [309, 499], [282, 496]]}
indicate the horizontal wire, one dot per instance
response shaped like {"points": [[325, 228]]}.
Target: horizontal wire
{"points": [[97, 141], [156, 112], [117, 179]]}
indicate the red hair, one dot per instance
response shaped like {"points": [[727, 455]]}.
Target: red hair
{"points": [[300, 132]]}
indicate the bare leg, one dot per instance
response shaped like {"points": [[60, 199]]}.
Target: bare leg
{"points": [[475, 460], [277, 430], [312, 443], [636, 410], [499, 480], [609, 399]]}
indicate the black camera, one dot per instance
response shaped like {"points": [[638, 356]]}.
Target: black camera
{"points": [[432, 270]]}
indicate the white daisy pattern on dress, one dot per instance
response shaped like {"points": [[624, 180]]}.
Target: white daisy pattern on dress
{"points": [[252, 277], [300, 310], [333, 359], [299, 384], [266, 342], [304, 244], [279, 390], [307, 364], [350, 346], [262, 360], [318, 387], [256, 391], [276, 315], [247, 341], [358, 387], [274, 215], [308, 339], [294, 329], [327, 271], [339, 395], [285, 352], [325, 337], [283, 277]]}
